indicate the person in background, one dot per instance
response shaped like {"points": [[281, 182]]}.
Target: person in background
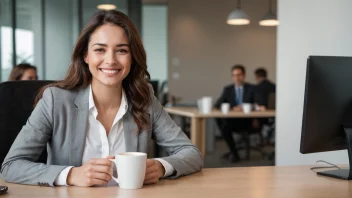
{"points": [[235, 94], [23, 71], [263, 88], [103, 107]]}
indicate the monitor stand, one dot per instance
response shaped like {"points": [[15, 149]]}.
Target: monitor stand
{"points": [[345, 174]]}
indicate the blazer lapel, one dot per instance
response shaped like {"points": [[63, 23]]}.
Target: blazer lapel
{"points": [[79, 129], [130, 132]]}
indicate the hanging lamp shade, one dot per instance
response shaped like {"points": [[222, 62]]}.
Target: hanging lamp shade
{"points": [[238, 16], [107, 5], [269, 19]]}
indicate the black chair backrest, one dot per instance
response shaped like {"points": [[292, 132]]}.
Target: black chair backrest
{"points": [[272, 101], [16, 105], [155, 85]]}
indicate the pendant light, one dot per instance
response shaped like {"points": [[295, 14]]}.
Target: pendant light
{"points": [[238, 16], [269, 19], [107, 5]]}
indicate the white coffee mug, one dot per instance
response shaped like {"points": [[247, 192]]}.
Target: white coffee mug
{"points": [[207, 105], [131, 167], [247, 107], [225, 107]]}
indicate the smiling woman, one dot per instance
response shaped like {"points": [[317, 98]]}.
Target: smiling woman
{"points": [[100, 43], [103, 107]]}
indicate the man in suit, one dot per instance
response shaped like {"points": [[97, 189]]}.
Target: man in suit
{"points": [[235, 94], [264, 88]]}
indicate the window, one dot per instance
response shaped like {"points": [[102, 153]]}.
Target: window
{"points": [[6, 45]]}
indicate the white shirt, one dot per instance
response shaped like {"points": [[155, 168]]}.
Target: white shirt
{"points": [[100, 145]]}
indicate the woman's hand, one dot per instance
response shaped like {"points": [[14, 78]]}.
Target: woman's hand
{"points": [[155, 170], [94, 172]]}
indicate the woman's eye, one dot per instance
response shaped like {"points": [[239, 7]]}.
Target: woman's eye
{"points": [[122, 51], [99, 50]]}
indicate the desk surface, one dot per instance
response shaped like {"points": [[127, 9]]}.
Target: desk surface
{"points": [[254, 182], [194, 112]]}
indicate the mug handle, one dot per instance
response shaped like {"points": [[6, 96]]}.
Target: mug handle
{"points": [[115, 178]]}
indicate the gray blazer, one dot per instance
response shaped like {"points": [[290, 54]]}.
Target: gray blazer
{"points": [[60, 121]]}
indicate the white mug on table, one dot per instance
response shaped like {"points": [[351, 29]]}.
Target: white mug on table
{"points": [[205, 105], [131, 167], [225, 107], [247, 107]]}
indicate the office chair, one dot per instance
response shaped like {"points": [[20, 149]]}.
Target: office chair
{"points": [[271, 130], [164, 95], [16, 104], [270, 122], [155, 85], [271, 101], [244, 143]]}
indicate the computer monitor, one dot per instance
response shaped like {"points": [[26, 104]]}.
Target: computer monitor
{"points": [[327, 113]]}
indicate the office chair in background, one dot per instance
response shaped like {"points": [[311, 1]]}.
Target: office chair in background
{"points": [[16, 104], [263, 141]]}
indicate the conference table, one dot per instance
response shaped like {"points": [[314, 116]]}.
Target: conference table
{"points": [[249, 182], [198, 121]]}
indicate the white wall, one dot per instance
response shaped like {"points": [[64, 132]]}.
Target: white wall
{"points": [[154, 35], [307, 27], [5, 40]]}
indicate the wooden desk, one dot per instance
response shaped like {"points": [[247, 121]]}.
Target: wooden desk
{"points": [[198, 121], [256, 182]]}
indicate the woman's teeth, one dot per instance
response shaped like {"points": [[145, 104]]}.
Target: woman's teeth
{"points": [[110, 71]]}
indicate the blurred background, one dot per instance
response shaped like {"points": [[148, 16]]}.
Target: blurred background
{"points": [[181, 38]]}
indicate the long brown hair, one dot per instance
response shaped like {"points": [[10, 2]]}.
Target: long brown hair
{"points": [[136, 82], [18, 71]]}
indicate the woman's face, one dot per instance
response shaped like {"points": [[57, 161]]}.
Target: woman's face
{"points": [[29, 74], [109, 57]]}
